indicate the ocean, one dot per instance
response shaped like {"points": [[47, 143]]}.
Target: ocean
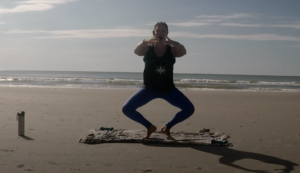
{"points": [[128, 80]]}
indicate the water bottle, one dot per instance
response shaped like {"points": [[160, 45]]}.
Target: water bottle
{"points": [[21, 123], [220, 142], [107, 128]]}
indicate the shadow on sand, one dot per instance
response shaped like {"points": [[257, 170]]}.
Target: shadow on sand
{"points": [[229, 156], [26, 137]]}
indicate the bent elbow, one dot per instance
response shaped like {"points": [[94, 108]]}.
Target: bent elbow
{"points": [[184, 51], [136, 52], [139, 53], [182, 54]]}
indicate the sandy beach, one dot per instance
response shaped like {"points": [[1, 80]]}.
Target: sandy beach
{"points": [[264, 129]]}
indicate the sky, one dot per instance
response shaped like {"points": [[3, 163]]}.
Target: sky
{"points": [[257, 37]]}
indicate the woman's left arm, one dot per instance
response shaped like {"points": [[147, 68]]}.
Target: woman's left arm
{"points": [[178, 49]]}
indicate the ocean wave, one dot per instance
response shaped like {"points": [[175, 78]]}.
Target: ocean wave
{"points": [[71, 86], [279, 83], [124, 80], [203, 81], [4, 79], [243, 90], [41, 79], [186, 81], [135, 81], [203, 88]]}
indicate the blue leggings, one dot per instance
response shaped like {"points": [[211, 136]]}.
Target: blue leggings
{"points": [[143, 96]]}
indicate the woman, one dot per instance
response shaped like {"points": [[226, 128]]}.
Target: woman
{"points": [[160, 54]]}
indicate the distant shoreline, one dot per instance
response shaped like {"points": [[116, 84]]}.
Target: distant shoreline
{"points": [[142, 72]]}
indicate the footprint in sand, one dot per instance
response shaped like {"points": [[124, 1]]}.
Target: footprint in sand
{"points": [[179, 167], [6, 150], [20, 166], [28, 169], [144, 170], [199, 168], [53, 163], [108, 164]]}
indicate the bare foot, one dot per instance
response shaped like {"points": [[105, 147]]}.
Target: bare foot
{"points": [[166, 131], [150, 131]]}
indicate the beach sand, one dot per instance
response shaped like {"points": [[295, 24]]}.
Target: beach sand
{"points": [[264, 129]]}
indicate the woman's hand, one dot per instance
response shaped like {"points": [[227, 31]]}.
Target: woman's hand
{"points": [[143, 46], [150, 42], [170, 42], [178, 50]]}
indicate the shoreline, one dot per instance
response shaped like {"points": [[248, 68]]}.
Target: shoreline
{"points": [[129, 88], [142, 72]]}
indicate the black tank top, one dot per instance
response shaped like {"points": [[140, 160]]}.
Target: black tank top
{"points": [[158, 71]]}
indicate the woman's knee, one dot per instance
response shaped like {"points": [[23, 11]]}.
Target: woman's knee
{"points": [[126, 109], [189, 109]]}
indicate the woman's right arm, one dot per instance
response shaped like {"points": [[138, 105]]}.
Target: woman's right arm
{"points": [[141, 48]]}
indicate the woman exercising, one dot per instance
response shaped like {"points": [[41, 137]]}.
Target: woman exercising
{"points": [[160, 54]]}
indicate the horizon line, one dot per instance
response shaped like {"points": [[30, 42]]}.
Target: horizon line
{"points": [[142, 72]]}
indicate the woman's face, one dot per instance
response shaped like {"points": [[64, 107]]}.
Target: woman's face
{"points": [[161, 32]]}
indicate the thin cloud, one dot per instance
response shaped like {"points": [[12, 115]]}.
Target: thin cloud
{"points": [[232, 19], [208, 20], [89, 34], [188, 24], [226, 17], [252, 37], [2, 23], [294, 26], [241, 25], [122, 33], [204, 20], [26, 8], [33, 5], [45, 2]]}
